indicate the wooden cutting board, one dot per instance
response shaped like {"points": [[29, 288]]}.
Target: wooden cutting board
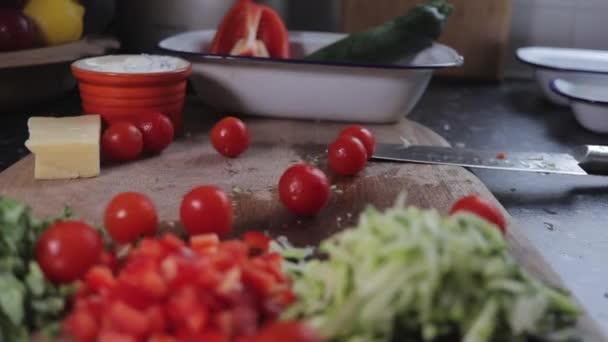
{"points": [[252, 181]]}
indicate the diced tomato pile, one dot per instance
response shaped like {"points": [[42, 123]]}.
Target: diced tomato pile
{"points": [[168, 290]]}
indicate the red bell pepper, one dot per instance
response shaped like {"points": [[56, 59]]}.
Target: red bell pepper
{"points": [[251, 29]]}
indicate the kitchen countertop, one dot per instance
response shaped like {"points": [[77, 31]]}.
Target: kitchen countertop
{"points": [[565, 216]]}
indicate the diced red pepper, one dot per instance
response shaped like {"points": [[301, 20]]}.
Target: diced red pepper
{"points": [[251, 29], [271, 263], [113, 336], [100, 279], [82, 325], [257, 242], [129, 293], [109, 260], [92, 304], [148, 249], [162, 338], [262, 282], [167, 293], [183, 303], [128, 320], [206, 244], [172, 243], [146, 278], [214, 336], [156, 319]]}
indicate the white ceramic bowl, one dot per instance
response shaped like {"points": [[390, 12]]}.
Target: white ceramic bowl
{"points": [[566, 64], [299, 89], [589, 102]]}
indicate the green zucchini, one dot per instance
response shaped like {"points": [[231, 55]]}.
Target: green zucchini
{"points": [[399, 38]]}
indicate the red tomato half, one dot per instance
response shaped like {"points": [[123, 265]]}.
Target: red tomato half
{"points": [[230, 137], [207, 209], [304, 189], [67, 250], [347, 156], [363, 134], [129, 216], [482, 208], [158, 132], [122, 142]]}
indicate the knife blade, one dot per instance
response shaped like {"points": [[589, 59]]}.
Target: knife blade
{"points": [[584, 160]]}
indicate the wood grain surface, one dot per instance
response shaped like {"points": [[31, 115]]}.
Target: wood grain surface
{"points": [[88, 46], [251, 180], [479, 30]]}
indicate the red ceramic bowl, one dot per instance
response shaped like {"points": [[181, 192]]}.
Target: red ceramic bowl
{"points": [[157, 82], [126, 102], [132, 92]]}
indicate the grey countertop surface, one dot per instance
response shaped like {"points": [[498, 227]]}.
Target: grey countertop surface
{"points": [[566, 217]]}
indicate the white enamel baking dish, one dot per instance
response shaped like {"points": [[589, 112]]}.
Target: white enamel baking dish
{"points": [[298, 89], [589, 102], [568, 64]]}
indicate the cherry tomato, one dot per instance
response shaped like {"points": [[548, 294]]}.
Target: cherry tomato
{"points": [[129, 216], [347, 156], [363, 134], [122, 141], [230, 137], [304, 189], [66, 250], [289, 331], [158, 132], [481, 208], [207, 209]]}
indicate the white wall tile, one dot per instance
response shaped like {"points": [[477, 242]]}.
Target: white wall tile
{"points": [[590, 29], [564, 23]]}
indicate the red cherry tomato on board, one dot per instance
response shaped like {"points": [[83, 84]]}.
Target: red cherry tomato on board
{"points": [[363, 134], [291, 331], [66, 250], [158, 132], [129, 216], [230, 137], [347, 156], [207, 209], [482, 208], [122, 142], [304, 189]]}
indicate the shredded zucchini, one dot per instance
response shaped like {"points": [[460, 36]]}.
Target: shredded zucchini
{"points": [[410, 275]]}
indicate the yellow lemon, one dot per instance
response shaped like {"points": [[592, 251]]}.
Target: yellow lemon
{"points": [[59, 21]]}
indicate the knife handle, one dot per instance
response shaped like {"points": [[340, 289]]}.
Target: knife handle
{"points": [[593, 158]]}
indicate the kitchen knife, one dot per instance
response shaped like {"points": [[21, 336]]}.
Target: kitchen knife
{"points": [[582, 161]]}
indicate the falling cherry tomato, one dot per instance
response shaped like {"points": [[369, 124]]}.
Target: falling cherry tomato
{"points": [[67, 249], [158, 132], [129, 216], [122, 141], [304, 189], [207, 209], [230, 137], [347, 156], [363, 134], [482, 208]]}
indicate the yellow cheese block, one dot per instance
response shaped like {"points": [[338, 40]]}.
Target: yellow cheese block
{"points": [[65, 148]]}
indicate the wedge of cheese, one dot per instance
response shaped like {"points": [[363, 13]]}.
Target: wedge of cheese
{"points": [[65, 148]]}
